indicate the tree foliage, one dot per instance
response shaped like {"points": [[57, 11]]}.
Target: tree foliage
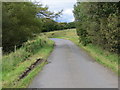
{"points": [[51, 25], [97, 23], [21, 21]]}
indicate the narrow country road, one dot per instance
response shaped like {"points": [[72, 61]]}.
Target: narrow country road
{"points": [[71, 67]]}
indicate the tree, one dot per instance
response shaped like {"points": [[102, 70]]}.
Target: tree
{"points": [[21, 21], [97, 23]]}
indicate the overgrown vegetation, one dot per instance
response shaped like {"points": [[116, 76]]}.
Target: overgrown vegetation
{"points": [[108, 59], [15, 63], [97, 23]]}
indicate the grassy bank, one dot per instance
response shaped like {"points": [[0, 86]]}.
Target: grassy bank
{"points": [[103, 57], [16, 63]]}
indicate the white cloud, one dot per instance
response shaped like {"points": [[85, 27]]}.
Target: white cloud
{"points": [[55, 1], [68, 11], [73, 19], [58, 5]]}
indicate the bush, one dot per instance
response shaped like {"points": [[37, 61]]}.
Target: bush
{"points": [[97, 23]]}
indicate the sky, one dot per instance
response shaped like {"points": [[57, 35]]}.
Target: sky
{"points": [[58, 5]]}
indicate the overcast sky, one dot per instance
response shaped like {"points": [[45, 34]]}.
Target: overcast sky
{"points": [[58, 5]]}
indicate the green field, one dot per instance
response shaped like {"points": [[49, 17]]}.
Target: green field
{"points": [[103, 57]]}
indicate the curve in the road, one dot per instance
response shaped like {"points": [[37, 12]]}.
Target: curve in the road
{"points": [[71, 67]]}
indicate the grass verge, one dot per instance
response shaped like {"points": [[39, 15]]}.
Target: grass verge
{"points": [[16, 63], [0, 68], [103, 57]]}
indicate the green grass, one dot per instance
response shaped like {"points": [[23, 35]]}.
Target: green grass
{"points": [[103, 57], [26, 81], [70, 33], [16, 62]]}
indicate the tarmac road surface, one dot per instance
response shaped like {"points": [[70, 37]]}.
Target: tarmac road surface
{"points": [[71, 67]]}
